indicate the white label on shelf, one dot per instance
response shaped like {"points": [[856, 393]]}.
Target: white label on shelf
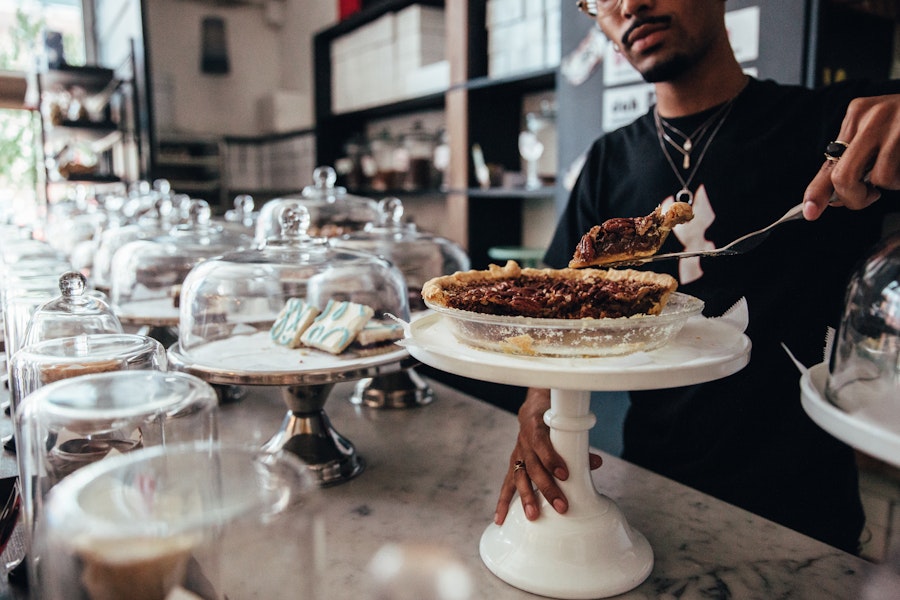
{"points": [[623, 105], [743, 31]]}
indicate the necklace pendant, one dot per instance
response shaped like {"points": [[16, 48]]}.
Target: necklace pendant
{"points": [[686, 162], [685, 195], [687, 145]]}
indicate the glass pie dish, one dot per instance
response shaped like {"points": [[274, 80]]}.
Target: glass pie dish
{"points": [[532, 336]]}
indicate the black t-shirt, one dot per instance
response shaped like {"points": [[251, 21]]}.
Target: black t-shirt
{"points": [[745, 438]]}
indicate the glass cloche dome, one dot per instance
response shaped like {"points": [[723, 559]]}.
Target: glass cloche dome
{"points": [[77, 310], [419, 255], [153, 223], [235, 309], [146, 275], [864, 372], [332, 211]]}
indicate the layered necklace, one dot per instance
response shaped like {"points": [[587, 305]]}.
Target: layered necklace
{"points": [[689, 142]]}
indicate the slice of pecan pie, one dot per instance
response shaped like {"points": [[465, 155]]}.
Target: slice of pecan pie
{"points": [[552, 293], [623, 238]]}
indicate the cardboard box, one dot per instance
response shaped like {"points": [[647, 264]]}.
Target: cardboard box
{"points": [[419, 18], [283, 110], [428, 79]]}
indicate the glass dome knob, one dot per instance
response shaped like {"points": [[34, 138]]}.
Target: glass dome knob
{"points": [[294, 222], [324, 177], [139, 188], [163, 207], [390, 211], [163, 186], [244, 204], [72, 284], [200, 213], [113, 202]]}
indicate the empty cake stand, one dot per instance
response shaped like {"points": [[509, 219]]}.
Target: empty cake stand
{"points": [[591, 551], [306, 378]]}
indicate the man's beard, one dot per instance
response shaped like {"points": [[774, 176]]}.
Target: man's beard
{"points": [[668, 70]]}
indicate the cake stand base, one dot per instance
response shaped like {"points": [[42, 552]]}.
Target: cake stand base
{"points": [[330, 456], [592, 556], [402, 389], [588, 552], [307, 432]]}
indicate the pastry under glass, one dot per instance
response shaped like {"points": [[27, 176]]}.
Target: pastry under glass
{"points": [[230, 303]]}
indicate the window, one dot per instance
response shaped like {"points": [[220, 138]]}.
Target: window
{"points": [[24, 27]]}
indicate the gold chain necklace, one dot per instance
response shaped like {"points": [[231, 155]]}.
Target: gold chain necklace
{"points": [[685, 194]]}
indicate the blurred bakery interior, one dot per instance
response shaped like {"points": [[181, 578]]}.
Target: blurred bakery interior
{"points": [[474, 115]]}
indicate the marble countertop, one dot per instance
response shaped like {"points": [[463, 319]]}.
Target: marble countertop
{"points": [[432, 475]]}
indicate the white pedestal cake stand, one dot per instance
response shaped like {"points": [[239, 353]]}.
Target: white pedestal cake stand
{"points": [[591, 551], [874, 428]]}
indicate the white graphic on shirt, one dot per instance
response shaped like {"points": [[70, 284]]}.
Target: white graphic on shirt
{"points": [[693, 235]]}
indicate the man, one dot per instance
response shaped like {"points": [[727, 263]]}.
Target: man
{"points": [[742, 151]]}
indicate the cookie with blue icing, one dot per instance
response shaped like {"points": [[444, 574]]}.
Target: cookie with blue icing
{"points": [[376, 332], [337, 326], [295, 318]]}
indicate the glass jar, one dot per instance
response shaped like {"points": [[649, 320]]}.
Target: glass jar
{"points": [[88, 421], [419, 145], [186, 521]]}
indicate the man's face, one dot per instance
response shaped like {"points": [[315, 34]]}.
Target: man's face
{"points": [[663, 39]]}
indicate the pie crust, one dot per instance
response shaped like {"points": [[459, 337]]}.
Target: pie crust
{"points": [[552, 293], [624, 238]]}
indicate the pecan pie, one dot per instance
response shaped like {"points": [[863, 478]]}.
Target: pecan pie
{"points": [[623, 238], [552, 293]]}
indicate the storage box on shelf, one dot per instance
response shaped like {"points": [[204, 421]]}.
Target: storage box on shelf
{"points": [[523, 35], [399, 54]]}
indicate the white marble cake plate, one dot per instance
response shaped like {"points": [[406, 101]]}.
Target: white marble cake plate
{"points": [[256, 360], [704, 350], [158, 312], [591, 551], [874, 429]]}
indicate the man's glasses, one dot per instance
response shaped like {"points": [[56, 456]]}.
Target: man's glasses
{"points": [[594, 7], [588, 7]]}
